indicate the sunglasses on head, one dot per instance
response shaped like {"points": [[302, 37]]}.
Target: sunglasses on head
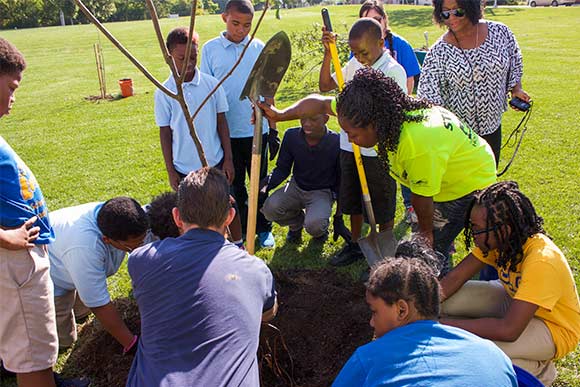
{"points": [[458, 12]]}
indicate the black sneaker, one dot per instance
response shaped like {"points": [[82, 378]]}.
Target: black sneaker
{"points": [[350, 253], [72, 382], [294, 236]]}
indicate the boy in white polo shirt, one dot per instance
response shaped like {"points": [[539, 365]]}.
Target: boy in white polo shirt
{"points": [[366, 42], [217, 58]]}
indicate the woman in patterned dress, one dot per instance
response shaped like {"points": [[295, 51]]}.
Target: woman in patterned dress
{"points": [[472, 68]]}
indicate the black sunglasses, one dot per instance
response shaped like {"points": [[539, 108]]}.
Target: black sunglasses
{"points": [[458, 12], [485, 230]]}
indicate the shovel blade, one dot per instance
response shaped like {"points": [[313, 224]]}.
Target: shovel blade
{"points": [[378, 246], [269, 68]]}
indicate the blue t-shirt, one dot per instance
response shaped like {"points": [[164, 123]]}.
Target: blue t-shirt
{"points": [[20, 195], [79, 258], [201, 301], [217, 58], [426, 353], [404, 55]]}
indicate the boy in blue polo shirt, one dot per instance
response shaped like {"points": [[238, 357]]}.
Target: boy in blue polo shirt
{"points": [[217, 58]]}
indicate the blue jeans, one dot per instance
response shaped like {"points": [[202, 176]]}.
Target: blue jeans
{"points": [[448, 221]]}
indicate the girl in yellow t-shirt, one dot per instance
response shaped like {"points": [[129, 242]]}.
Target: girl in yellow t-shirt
{"points": [[532, 312]]}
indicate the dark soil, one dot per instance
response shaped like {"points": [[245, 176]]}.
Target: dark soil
{"points": [[322, 319]]}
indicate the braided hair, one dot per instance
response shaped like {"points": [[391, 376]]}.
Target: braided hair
{"points": [[409, 279], [506, 205], [373, 99], [377, 6]]}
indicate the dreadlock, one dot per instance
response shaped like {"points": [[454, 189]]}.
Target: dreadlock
{"points": [[372, 99], [409, 279], [506, 205]]}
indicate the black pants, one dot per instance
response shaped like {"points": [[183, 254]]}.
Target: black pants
{"points": [[242, 154], [494, 141]]}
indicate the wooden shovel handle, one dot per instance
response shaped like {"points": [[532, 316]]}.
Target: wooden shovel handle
{"points": [[254, 182]]}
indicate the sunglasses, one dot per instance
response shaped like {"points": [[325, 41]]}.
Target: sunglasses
{"points": [[484, 231], [458, 12]]}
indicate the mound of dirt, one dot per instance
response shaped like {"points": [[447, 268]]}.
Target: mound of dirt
{"points": [[322, 319]]}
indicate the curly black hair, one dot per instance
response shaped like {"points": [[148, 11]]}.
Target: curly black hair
{"points": [[506, 205], [408, 279], [373, 99], [122, 218], [472, 8], [159, 213], [11, 60]]}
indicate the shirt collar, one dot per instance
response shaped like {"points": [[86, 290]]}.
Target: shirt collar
{"points": [[386, 57], [194, 82], [226, 42]]}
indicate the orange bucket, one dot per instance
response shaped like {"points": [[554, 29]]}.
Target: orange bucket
{"points": [[126, 85]]}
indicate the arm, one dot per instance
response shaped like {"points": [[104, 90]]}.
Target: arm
{"points": [[21, 237], [166, 139], [423, 206], [325, 80], [459, 276], [224, 135], [429, 86], [309, 106], [410, 84], [283, 164], [270, 313], [113, 323], [507, 328]]}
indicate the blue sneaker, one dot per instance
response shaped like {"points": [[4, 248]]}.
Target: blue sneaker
{"points": [[266, 239]]}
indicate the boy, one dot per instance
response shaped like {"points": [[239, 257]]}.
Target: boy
{"points": [[91, 242], [28, 336], [200, 298], [159, 215], [532, 312], [179, 152], [366, 42], [217, 59], [311, 153]]}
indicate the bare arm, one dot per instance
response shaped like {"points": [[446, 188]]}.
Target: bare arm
{"points": [[507, 328], [423, 206], [224, 135], [166, 139], [270, 313], [310, 106], [459, 276], [113, 323], [21, 237], [325, 81], [410, 85]]}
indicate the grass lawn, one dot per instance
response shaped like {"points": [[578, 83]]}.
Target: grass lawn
{"points": [[83, 151]]}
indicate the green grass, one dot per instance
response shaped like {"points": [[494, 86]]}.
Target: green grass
{"points": [[83, 151]]}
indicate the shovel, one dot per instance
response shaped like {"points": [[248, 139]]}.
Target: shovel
{"points": [[263, 81], [375, 246]]}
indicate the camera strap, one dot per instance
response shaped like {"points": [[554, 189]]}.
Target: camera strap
{"points": [[516, 137]]}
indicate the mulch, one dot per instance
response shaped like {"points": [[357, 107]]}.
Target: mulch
{"points": [[321, 320]]}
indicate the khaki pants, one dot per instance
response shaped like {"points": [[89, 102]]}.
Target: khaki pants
{"points": [[533, 350], [68, 308], [28, 339]]}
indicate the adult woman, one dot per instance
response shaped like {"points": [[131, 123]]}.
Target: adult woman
{"points": [[403, 53], [472, 67]]}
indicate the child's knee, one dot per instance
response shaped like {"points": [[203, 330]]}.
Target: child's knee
{"points": [[316, 227]]}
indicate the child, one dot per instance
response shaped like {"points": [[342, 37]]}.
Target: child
{"points": [[311, 153], [218, 57], [403, 53], [28, 336], [366, 42], [532, 312], [159, 214], [411, 347], [211, 125]]}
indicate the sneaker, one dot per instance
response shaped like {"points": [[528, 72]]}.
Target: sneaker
{"points": [[72, 382], [350, 253], [321, 239], [267, 240], [411, 216], [294, 236]]}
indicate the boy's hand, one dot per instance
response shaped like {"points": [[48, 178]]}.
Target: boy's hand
{"points": [[339, 229], [21, 237], [273, 143], [228, 169], [270, 112], [327, 39], [174, 179]]}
